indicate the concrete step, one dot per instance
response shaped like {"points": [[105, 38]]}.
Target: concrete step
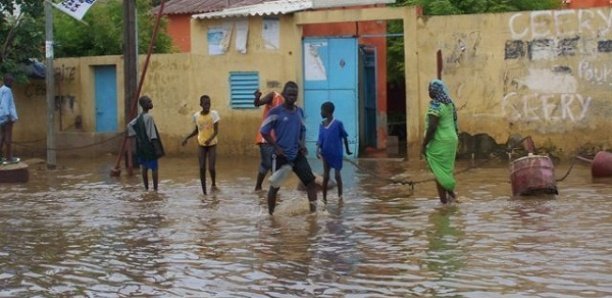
{"points": [[14, 173]]}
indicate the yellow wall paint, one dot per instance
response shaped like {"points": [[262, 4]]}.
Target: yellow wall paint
{"points": [[547, 74]]}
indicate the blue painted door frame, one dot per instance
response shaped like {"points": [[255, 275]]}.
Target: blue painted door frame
{"points": [[105, 78], [368, 102], [330, 74]]}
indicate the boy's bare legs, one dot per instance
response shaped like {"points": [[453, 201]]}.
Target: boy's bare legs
{"points": [[203, 155], [326, 170], [338, 183], [155, 176], [145, 178], [260, 179], [311, 190], [203, 180], [8, 131], [212, 160], [272, 199]]}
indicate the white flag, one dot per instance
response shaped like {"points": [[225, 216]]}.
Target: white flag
{"points": [[75, 8]]}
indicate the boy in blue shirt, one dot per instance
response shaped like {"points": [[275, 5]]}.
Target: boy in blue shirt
{"points": [[287, 122], [329, 146]]}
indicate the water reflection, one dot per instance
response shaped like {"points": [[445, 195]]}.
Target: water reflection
{"points": [[445, 254], [77, 232]]}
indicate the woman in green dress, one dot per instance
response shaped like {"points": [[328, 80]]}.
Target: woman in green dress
{"points": [[441, 139]]}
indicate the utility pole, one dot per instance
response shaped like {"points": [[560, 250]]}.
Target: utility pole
{"points": [[50, 80], [130, 56]]}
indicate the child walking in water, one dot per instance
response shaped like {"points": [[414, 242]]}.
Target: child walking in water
{"points": [[329, 146], [206, 127], [148, 144]]}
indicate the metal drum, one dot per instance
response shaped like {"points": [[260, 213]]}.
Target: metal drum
{"points": [[533, 175], [602, 165]]}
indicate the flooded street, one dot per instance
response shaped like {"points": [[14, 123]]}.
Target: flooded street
{"points": [[78, 232]]}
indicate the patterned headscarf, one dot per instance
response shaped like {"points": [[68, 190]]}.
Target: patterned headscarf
{"points": [[439, 91]]}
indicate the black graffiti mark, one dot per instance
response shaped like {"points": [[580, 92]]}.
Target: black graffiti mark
{"points": [[540, 45], [65, 73], [562, 69], [567, 46], [61, 100], [514, 49], [604, 46], [36, 90]]}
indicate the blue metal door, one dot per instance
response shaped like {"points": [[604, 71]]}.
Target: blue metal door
{"points": [[369, 96], [105, 78], [330, 74]]}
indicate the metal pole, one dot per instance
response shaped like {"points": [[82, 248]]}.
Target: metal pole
{"points": [[50, 79]]}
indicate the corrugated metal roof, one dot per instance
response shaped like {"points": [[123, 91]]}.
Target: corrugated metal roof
{"points": [[200, 6], [339, 3], [237, 6], [266, 8]]}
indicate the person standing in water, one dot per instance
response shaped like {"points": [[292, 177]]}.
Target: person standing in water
{"points": [[269, 101], [206, 128], [329, 146], [148, 144], [287, 123], [441, 140]]}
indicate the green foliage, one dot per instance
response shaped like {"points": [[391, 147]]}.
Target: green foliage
{"points": [[22, 35], [395, 62], [103, 33]]}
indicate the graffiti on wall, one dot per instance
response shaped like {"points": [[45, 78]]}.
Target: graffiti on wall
{"points": [[595, 72], [65, 73], [565, 23], [557, 89]]}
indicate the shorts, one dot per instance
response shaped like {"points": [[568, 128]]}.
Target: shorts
{"points": [[300, 167], [265, 151], [148, 164]]}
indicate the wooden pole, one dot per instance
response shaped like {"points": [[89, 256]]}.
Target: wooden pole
{"points": [[50, 84], [116, 171]]}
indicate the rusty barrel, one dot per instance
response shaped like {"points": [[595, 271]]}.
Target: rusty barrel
{"points": [[602, 165], [533, 175]]}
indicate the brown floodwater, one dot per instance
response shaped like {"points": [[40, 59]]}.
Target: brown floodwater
{"points": [[75, 231]]}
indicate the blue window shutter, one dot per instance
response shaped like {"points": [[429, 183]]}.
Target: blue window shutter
{"points": [[242, 86]]}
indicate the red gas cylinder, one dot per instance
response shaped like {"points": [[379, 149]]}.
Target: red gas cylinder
{"points": [[602, 165], [533, 175]]}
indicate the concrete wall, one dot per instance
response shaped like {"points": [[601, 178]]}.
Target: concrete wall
{"points": [[547, 74], [175, 82], [544, 73]]}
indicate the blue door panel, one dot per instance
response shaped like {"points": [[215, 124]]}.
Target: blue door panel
{"points": [[313, 117], [336, 81], [105, 78], [346, 111], [316, 63], [343, 63]]}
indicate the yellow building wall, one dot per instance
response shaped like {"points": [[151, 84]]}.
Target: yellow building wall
{"points": [[547, 74], [175, 83]]}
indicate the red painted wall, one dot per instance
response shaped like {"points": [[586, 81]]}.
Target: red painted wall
{"points": [[361, 30], [588, 3], [179, 28]]}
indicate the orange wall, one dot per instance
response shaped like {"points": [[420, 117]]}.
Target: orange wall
{"points": [[179, 28], [588, 3], [360, 29]]}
